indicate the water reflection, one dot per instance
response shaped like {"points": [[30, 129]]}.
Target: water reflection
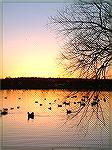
{"points": [[56, 118]]}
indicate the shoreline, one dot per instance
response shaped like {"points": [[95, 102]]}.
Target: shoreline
{"points": [[56, 83]]}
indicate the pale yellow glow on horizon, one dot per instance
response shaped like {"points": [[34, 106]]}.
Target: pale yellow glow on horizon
{"points": [[32, 66], [33, 57]]}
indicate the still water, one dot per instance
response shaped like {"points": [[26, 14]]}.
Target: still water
{"points": [[52, 126]]}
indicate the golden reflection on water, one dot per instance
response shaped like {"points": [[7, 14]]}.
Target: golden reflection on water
{"points": [[53, 126]]}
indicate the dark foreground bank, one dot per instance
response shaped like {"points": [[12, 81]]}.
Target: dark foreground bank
{"points": [[56, 83]]}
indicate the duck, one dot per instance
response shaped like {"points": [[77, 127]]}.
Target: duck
{"points": [[82, 104], [104, 100], [64, 102], [67, 103], [5, 109], [68, 96], [83, 99], [4, 112], [30, 115], [49, 108], [75, 96], [69, 111], [59, 105], [94, 103]]}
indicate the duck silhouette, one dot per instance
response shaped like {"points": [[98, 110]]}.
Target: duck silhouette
{"points": [[30, 115], [4, 112], [82, 104], [68, 112], [94, 103], [64, 102], [75, 96], [67, 103], [49, 108], [59, 105], [5, 109], [104, 100]]}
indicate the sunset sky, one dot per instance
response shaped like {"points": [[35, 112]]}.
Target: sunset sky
{"points": [[29, 48]]}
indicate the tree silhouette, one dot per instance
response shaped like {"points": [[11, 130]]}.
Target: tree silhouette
{"points": [[86, 31]]}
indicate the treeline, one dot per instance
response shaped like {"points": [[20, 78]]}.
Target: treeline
{"points": [[56, 83]]}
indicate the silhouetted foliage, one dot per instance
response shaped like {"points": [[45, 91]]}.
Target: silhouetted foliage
{"points": [[85, 28]]}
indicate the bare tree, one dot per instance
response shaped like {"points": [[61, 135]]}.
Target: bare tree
{"points": [[86, 30]]}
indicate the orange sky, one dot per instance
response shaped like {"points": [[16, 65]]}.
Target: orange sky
{"points": [[29, 49]]}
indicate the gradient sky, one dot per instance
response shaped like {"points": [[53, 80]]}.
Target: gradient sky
{"points": [[29, 49]]}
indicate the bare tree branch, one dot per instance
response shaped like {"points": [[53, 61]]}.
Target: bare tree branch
{"points": [[86, 29]]}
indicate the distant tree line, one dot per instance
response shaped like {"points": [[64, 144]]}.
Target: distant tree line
{"points": [[56, 83]]}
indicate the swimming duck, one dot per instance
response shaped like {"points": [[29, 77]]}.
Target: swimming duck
{"points": [[75, 96], [4, 112], [59, 105], [5, 109], [49, 108], [69, 112], [30, 115], [67, 103]]}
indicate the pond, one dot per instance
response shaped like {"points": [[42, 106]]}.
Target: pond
{"points": [[51, 125]]}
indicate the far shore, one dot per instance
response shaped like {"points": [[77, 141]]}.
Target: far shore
{"points": [[56, 83]]}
